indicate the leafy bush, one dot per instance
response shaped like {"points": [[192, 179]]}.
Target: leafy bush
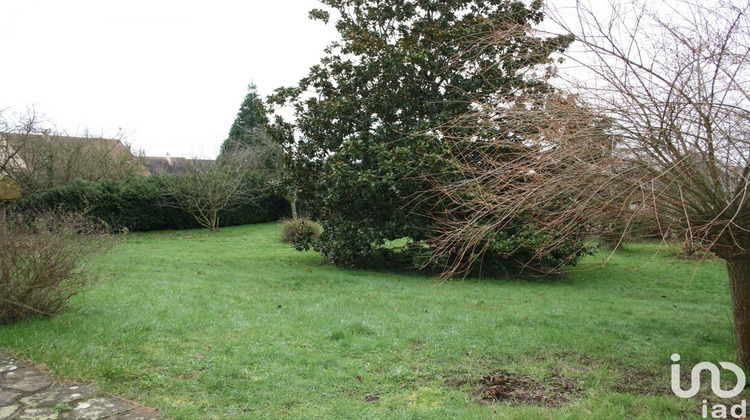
{"points": [[43, 263], [371, 130], [302, 233]]}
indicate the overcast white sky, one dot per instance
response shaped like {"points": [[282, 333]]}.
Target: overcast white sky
{"points": [[170, 73]]}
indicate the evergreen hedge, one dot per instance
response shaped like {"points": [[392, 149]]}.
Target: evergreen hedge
{"points": [[141, 204]]}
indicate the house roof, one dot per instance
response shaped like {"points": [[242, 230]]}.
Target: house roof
{"points": [[17, 140], [172, 165], [9, 157], [31, 158]]}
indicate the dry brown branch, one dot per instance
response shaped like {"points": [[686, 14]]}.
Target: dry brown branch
{"points": [[43, 263], [553, 166], [658, 123]]}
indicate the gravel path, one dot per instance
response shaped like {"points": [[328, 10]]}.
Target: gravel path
{"points": [[28, 393]]}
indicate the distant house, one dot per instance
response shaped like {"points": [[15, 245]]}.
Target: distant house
{"points": [[46, 160], [173, 165], [9, 158]]}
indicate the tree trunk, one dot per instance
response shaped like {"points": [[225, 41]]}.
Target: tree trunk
{"points": [[293, 202], [4, 268], [213, 221], [739, 281], [3, 226]]}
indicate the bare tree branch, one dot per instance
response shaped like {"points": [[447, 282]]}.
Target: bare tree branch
{"points": [[658, 123]]}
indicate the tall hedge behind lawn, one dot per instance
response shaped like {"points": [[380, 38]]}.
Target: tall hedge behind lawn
{"points": [[141, 204]]}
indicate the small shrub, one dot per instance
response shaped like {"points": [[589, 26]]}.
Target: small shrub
{"points": [[302, 233], [42, 263]]}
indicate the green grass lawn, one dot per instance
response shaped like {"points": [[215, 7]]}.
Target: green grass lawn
{"points": [[238, 324]]}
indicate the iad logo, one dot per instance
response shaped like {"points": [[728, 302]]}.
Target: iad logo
{"points": [[695, 377], [719, 411]]}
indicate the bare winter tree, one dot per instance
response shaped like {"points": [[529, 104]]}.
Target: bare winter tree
{"points": [[40, 157], [235, 179], [660, 121], [23, 127], [53, 160]]}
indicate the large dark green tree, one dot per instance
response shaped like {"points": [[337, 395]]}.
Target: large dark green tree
{"points": [[376, 113], [248, 128], [254, 142]]}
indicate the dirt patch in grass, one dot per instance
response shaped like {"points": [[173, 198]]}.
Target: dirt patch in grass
{"points": [[627, 379], [638, 382], [504, 386]]}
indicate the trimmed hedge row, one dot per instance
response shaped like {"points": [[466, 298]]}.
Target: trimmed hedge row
{"points": [[141, 204]]}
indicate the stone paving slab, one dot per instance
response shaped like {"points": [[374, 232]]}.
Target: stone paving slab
{"points": [[27, 380], [38, 414], [8, 410], [8, 397], [59, 394], [28, 393]]}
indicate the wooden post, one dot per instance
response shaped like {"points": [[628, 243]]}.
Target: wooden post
{"points": [[9, 190], [3, 227], [4, 264]]}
